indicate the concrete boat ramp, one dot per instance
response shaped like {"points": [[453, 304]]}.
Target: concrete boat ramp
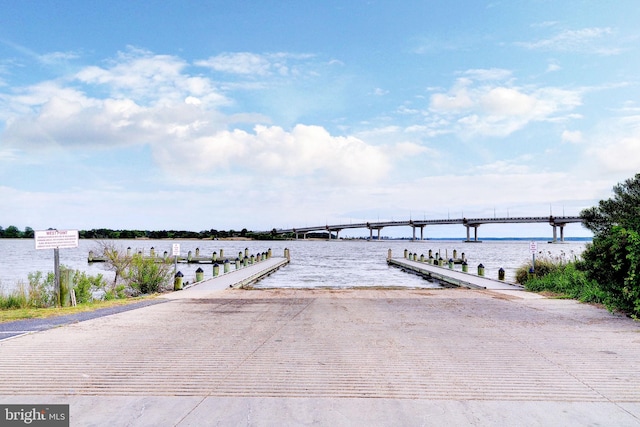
{"points": [[214, 355]]}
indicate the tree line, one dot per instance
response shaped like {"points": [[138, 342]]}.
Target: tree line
{"points": [[13, 232]]}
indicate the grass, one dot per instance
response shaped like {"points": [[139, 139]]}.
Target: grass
{"points": [[10, 315]]}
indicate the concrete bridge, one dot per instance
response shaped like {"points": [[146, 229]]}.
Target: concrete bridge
{"points": [[555, 222]]}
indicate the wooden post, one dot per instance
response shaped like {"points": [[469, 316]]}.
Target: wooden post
{"points": [[480, 270]]}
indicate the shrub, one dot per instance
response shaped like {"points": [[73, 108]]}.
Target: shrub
{"points": [[568, 280], [87, 286], [545, 264], [145, 275], [41, 289]]}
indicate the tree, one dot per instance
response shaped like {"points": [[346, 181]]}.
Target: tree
{"points": [[12, 232], [613, 259]]}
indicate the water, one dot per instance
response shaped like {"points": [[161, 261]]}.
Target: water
{"points": [[313, 263]]}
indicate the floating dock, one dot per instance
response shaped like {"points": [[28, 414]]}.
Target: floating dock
{"points": [[244, 277], [452, 277]]}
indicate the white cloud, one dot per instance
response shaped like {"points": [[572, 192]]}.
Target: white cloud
{"points": [[305, 152], [584, 40], [149, 98], [612, 147], [253, 64], [500, 109], [488, 74], [573, 137]]}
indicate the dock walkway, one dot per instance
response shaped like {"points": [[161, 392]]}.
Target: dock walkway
{"points": [[453, 277], [233, 279]]}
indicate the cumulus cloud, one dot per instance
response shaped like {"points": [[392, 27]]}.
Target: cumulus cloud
{"points": [[137, 98], [496, 108], [305, 151]]}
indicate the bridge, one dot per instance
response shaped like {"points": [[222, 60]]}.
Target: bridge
{"points": [[555, 222]]}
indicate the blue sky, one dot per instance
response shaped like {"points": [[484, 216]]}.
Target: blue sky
{"points": [[262, 114]]}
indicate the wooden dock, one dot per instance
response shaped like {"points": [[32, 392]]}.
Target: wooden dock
{"points": [[452, 277]]}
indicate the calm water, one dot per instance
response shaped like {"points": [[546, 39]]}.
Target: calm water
{"points": [[313, 263]]}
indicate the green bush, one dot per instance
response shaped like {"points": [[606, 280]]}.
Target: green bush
{"points": [[41, 289], [146, 276], [614, 262], [116, 292], [568, 280], [86, 286], [545, 264]]}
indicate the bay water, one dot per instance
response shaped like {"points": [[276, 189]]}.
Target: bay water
{"points": [[314, 263]]}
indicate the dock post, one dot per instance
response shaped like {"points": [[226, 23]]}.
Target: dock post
{"points": [[240, 255], [90, 259], [226, 265], [480, 270], [455, 254], [465, 267], [214, 257], [246, 251], [252, 260], [152, 252], [415, 256], [430, 260], [177, 281], [421, 257], [197, 252], [237, 263], [165, 256], [199, 274], [501, 274], [216, 269], [221, 253], [410, 256], [245, 261], [405, 253], [389, 254], [189, 257], [450, 263], [269, 253], [129, 251], [287, 254]]}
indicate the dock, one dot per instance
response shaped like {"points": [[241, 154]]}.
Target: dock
{"points": [[452, 277], [238, 279]]}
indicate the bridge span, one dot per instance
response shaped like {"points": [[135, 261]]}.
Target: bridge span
{"points": [[554, 221]]}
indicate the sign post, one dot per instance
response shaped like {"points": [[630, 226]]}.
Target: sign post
{"points": [[176, 254], [56, 240], [533, 247]]}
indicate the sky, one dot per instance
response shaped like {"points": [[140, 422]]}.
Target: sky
{"points": [[200, 115]]}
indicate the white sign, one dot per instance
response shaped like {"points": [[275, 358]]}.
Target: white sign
{"points": [[533, 247], [56, 239], [176, 249]]}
